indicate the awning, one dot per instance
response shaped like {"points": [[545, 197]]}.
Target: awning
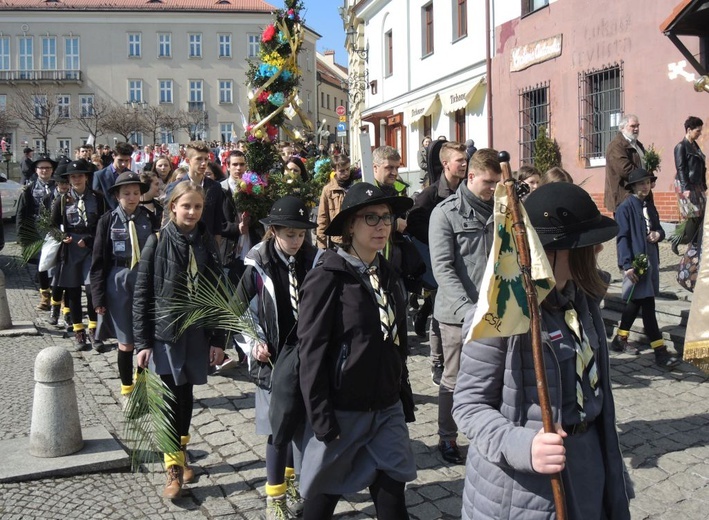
{"points": [[688, 18], [459, 96], [420, 108]]}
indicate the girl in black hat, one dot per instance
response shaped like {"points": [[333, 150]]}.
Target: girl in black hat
{"points": [[353, 349], [120, 237], [275, 269], [171, 267], [76, 214], [496, 402], [639, 233]]}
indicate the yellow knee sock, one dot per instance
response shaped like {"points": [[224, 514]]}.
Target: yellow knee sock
{"points": [[657, 343], [277, 490], [290, 473], [78, 326], [176, 458]]}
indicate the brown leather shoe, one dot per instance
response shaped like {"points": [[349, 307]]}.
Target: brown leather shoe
{"points": [[173, 488], [45, 302], [187, 472]]}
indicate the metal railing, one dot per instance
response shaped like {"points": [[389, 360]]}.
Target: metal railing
{"points": [[600, 109], [534, 115], [40, 75]]}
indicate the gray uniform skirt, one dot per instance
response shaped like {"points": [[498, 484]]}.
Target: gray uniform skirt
{"points": [[263, 425], [369, 442], [187, 359], [74, 269], [119, 303]]}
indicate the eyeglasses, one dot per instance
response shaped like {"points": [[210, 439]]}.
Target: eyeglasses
{"points": [[372, 220]]}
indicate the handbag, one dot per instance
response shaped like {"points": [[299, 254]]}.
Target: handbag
{"points": [[691, 206], [49, 254], [688, 268]]}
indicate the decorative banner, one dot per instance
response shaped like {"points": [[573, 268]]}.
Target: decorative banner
{"points": [[502, 309]]}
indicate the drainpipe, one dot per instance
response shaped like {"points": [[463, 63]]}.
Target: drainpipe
{"points": [[488, 72]]}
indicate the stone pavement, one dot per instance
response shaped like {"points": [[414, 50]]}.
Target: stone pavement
{"points": [[662, 417]]}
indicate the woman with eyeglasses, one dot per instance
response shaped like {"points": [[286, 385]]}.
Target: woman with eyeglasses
{"points": [[353, 349]]}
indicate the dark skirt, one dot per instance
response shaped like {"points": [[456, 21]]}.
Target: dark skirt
{"points": [[187, 359], [75, 264], [369, 442], [119, 303]]}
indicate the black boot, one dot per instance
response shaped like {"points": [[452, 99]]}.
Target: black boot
{"points": [[96, 344], [664, 359], [79, 340], [54, 314]]}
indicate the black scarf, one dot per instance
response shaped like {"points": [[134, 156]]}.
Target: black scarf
{"points": [[483, 209]]}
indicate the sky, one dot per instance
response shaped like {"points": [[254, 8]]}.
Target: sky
{"points": [[322, 17]]}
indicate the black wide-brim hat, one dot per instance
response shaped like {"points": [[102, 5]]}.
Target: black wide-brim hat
{"points": [[290, 212], [565, 217], [362, 195], [126, 178], [62, 162], [637, 175], [78, 166], [44, 158]]}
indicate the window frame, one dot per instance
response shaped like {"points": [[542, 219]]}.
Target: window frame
{"points": [[64, 106], [534, 101], [226, 45], [528, 6], [64, 149], [69, 57], [25, 61], [135, 86], [253, 45], [194, 83], [388, 53], [427, 30], [598, 127], [135, 45], [5, 53], [166, 86], [194, 47], [231, 132], [86, 105], [226, 86], [460, 19], [167, 44], [47, 55]]}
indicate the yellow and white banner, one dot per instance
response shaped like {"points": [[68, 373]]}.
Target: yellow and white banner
{"points": [[502, 309]]}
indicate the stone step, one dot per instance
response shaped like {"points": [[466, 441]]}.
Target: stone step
{"points": [[668, 308]]}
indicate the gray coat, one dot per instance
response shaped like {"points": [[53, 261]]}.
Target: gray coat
{"points": [[460, 242], [496, 406]]}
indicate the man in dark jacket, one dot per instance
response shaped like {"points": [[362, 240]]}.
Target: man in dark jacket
{"points": [[623, 155], [104, 179], [26, 166], [454, 161]]}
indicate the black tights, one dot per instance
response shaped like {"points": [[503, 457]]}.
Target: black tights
{"points": [[387, 494], [73, 295], [278, 458], [647, 306], [181, 407], [43, 278]]}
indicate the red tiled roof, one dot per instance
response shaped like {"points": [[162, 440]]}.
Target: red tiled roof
{"points": [[137, 5]]}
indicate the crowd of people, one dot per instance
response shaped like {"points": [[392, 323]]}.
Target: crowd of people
{"points": [[329, 298]]}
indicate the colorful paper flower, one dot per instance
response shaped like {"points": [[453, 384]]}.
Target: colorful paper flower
{"points": [[264, 96], [276, 98], [268, 33]]}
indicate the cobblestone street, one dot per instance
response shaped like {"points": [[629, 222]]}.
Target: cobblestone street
{"points": [[663, 420]]}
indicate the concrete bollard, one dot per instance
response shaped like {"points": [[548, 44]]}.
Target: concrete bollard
{"points": [[55, 429], [5, 318]]}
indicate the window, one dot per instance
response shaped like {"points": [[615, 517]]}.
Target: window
{"points": [[327, 98], [40, 106], [3, 102], [26, 57], [529, 6], [388, 54], [460, 19], [396, 135], [600, 109], [225, 45], [4, 53], [86, 105], [164, 45], [165, 87], [427, 29], [63, 106], [49, 53], [227, 132], [254, 45], [71, 57], [136, 137], [459, 125], [166, 136], [533, 119], [134, 45], [38, 145], [426, 126], [64, 146], [135, 90], [195, 40], [226, 88], [322, 99], [196, 90], [308, 101]]}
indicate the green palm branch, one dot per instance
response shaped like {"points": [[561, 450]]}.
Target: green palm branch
{"points": [[149, 429], [31, 233], [213, 305]]}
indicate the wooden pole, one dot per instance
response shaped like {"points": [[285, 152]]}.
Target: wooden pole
{"points": [[525, 262]]}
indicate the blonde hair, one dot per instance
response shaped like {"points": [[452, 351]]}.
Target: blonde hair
{"points": [[182, 188]]}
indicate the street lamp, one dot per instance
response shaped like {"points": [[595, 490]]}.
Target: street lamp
{"points": [[351, 34]]}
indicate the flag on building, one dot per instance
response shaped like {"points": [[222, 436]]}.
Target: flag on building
{"points": [[502, 309]]}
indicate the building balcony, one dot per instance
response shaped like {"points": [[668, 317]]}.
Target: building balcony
{"points": [[33, 76]]}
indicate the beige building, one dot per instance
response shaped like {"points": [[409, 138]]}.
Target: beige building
{"points": [[332, 93], [182, 56]]}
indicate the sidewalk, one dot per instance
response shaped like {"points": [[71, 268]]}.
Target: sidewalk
{"points": [[662, 416]]}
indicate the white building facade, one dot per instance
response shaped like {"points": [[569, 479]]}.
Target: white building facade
{"points": [[188, 55]]}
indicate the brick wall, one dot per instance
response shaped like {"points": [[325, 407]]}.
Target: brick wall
{"points": [[665, 202]]}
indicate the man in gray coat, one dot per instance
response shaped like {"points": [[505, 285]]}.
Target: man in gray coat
{"points": [[460, 239]]}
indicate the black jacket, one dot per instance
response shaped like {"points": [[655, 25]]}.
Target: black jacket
{"points": [[345, 363], [691, 166], [28, 209], [59, 217], [213, 213], [161, 275], [101, 261]]}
